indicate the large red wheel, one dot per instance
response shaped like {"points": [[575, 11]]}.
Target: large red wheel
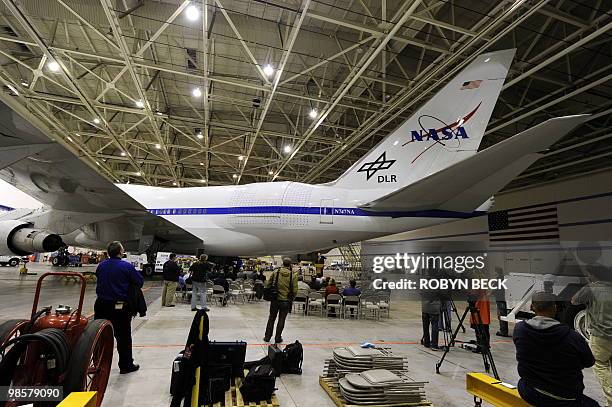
{"points": [[11, 329], [91, 359]]}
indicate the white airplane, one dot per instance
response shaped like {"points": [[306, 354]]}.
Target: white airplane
{"points": [[426, 172]]}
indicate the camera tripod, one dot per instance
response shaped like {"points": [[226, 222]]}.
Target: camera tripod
{"points": [[482, 343], [446, 319]]}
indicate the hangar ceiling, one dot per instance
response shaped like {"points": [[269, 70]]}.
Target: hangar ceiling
{"points": [[217, 92]]}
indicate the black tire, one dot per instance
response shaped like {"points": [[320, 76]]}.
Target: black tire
{"points": [[13, 262], [96, 332], [9, 328]]}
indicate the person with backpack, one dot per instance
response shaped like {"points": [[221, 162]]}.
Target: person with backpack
{"points": [[199, 274], [285, 284]]}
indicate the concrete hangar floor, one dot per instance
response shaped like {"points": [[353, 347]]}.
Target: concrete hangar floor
{"points": [[160, 335]]}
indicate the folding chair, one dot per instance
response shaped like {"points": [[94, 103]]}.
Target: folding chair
{"points": [[218, 293], [315, 303], [351, 306], [333, 302], [300, 302]]}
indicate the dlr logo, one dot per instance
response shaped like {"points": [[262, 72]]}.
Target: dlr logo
{"points": [[386, 178]]}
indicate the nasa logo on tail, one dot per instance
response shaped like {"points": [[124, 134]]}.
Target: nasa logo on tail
{"points": [[446, 132], [380, 164], [448, 136]]}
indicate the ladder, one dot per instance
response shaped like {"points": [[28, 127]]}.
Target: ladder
{"points": [[351, 255]]}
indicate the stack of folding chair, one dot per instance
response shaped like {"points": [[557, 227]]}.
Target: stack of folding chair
{"points": [[380, 387], [358, 359]]}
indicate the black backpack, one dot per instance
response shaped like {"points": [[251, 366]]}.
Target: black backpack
{"points": [[258, 385], [293, 358]]}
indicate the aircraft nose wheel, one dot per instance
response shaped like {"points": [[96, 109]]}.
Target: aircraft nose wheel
{"points": [[91, 359]]}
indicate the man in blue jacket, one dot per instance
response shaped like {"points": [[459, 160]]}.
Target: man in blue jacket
{"points": [[550, 358], [114, 277]]}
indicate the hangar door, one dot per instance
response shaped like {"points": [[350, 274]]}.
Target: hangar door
{"points": [[327, 211]]}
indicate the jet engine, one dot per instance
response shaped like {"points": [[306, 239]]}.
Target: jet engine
{"points": [[17, 237]]}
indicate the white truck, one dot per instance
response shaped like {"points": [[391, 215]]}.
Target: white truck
{"points": [[9, 261]]}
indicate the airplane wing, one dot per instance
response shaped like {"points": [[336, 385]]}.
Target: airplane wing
{"points": [[464, 186], [50, 173]]}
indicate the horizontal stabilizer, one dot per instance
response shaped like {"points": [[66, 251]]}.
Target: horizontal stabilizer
{"points": [[464, 186]]}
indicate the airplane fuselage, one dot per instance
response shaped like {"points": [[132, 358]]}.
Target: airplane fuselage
{"points": [[278, 217]]}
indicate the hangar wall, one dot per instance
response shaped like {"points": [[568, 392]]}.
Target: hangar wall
{"points": [[584, 210], [584, 214]]}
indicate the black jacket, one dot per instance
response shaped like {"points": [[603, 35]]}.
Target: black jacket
{"points": [[199, 271], [136, 301], [172, 271], [551, 357]]}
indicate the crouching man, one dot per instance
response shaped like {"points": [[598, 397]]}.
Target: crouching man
{"points": [[550, 358]]}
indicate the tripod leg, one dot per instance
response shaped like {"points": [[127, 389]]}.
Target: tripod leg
{"points": [[485, 347], [452, 341], [457, 314]]}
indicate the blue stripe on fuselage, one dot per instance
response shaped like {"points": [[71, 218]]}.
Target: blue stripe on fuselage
{"points": [[307, 210]]}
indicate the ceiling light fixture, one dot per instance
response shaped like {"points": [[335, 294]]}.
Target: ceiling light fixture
{"points": [[138, 174], [268, 70], [196, 92], [192, 13], [287, 149], [139, 103], [24, 83], [174, 183], [158, 146], [96, 120], [313, 113], [234, 176], [202, 180], [270, 172], [240, 157], [53, 66], [201, 163], [123, 154], [200, 136]]}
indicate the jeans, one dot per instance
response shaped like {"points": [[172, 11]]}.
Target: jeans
{"points": [[602, 350], [280, 308], [536, 398], [198, 288], [122, 328], [430, 319], [168, 293]]}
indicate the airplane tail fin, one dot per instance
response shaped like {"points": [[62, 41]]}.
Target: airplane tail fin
{"points": [[481, 175], [446, 130]]}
